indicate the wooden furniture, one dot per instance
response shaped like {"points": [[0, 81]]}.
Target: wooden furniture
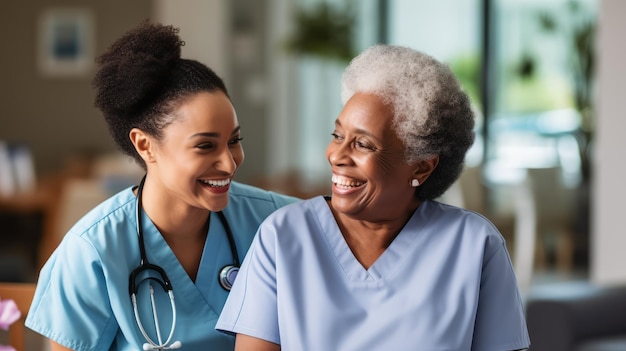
{"points": [[29, 221], [22, 294]]}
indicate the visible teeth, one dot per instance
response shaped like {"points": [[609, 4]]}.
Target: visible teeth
{"points": [[345, 182], [216, 183]]}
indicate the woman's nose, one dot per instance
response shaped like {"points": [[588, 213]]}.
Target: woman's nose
{"points": [[226, 162], [338, 153]]}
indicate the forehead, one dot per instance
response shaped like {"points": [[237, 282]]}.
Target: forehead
{"points": [[367, 112], [207, 109]]}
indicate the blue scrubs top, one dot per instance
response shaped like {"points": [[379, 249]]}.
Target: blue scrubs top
{"points": [[445, 283], [82, 299]]}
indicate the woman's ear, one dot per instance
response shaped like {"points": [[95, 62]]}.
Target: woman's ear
{"points": [[143, 144], [425, 168]]}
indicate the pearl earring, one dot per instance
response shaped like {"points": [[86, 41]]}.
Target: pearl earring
{"points": [[415, 183]]}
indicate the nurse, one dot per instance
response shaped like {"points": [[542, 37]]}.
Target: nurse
{"points": [[381, 265], [191, 220]]}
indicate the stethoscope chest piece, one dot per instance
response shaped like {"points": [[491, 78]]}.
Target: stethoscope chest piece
{"points": [[227, 276]]}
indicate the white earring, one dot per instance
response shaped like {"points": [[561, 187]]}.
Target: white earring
{"points": [[415, 183]]}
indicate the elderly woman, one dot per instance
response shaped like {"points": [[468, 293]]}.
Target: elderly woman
{"points": [[380, 265]]}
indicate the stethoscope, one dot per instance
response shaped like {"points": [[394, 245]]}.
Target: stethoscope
{"points": [[226, 279]]}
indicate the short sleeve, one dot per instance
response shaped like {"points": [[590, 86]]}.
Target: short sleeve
{"points": [[500, 322], [71, 304], [251, 307]]}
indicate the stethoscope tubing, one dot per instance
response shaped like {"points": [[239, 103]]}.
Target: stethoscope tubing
{"points": [[161, 344], [226, 278]]}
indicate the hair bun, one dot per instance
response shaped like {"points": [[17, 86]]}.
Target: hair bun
{"points": [[134, 68]]}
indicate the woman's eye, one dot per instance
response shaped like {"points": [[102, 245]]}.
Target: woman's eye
{"points": [[236, 141], [366, 146], [205, 146], [336, 136]]}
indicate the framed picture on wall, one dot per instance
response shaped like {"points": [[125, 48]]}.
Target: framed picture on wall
{"points": [[66, 42]]}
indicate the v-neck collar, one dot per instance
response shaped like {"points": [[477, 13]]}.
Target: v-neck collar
{"points": [[161, 254], [391, 258]]}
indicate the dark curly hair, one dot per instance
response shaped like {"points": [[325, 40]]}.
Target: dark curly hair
{"points": [[142, 80], [432, 113]]}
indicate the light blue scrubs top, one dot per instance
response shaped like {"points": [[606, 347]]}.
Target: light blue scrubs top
{"points": [[445, 283], [82, 299]]}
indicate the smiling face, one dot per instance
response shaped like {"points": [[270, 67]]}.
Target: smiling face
{"points": [[371, 178], [198, 155]]}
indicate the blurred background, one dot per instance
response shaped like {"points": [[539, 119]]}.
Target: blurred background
{"points": [[545, 78]]}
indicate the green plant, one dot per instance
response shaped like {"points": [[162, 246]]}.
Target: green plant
{"points": [[324, 31], [579, 30], [466, 68]]}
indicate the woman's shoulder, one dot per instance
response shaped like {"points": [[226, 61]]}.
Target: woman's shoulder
{"points": [[452, 211], [468, 220], [99, 230], [249, 193], [300, 212], [468, 227], [116, 208]]}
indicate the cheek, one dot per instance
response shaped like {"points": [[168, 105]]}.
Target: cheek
{"points": [[168, 155], [386, 163], [239, 156]]}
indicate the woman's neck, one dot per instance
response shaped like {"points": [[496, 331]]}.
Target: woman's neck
{"points": [[184, 228], [368, 240]]}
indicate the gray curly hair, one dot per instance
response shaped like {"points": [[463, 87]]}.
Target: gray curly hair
{"points": [[432, 114]]}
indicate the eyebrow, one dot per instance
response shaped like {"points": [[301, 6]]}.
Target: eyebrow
{"points": [[214, 134], [359, 130]]}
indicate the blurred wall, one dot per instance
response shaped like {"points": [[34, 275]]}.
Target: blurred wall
{"points": [[230, 37], [55, 114], [608, 257], [203, 26]]}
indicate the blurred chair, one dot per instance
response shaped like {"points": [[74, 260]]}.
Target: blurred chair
{"points": [[86, 183], [536, 222], [79, 196], [22, 294], [525, 236], [473, 190], [470, 192], [554, 208], [516, 225]]}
